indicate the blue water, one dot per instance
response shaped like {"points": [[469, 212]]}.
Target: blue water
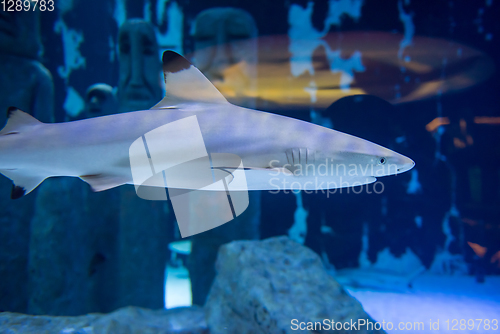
{"points": [[417, 77]]}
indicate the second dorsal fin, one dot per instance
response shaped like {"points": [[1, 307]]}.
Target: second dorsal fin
{"points": [[184, 83]]}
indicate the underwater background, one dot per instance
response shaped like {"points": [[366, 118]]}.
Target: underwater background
{"points": [[417, 77]]}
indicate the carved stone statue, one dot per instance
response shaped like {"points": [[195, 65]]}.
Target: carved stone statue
{"points": [[140, 77], [28, 85], [100, 100], [142, 238], [226, 52], [20, 34]]}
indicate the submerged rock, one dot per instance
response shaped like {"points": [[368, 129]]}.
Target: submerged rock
{"points": [[128, 320], [205, 247], [262, 286]]}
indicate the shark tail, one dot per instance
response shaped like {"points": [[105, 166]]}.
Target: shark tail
{"points": [[17, 122]]}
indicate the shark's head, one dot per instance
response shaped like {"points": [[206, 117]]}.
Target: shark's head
{"points": [[386, 162], [360, 158]]}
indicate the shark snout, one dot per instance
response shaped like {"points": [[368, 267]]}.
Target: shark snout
{"points": [[406, 165]]}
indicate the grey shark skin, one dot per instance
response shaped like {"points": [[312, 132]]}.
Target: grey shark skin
{"points": [[276, 151]]}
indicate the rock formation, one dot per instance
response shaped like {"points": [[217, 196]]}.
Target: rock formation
{"points": [[261, 286]]}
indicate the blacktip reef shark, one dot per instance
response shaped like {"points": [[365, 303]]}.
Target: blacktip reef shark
{"points": [[378, 279], [277, 152]]}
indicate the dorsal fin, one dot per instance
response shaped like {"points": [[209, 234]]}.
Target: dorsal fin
{"points": [[17, 121], [185, 83]]}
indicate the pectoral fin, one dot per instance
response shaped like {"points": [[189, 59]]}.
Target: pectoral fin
{"points": [[22, 184]]}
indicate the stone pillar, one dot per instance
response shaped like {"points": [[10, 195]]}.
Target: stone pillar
{"points": [[58, 249], [226, 52], [142, 237], [142, 251], [26, 84]]}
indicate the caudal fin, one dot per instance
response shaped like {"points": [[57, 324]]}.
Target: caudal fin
{"points": [[17, 122]]}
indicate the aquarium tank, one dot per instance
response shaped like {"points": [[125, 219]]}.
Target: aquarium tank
{"points": [[224, 166]]}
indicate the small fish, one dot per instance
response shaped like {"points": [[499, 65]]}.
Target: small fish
{"points": [[478, 249], [277, 152]]}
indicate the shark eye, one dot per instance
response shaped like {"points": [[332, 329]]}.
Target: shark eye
{"points": [[382, 161]]}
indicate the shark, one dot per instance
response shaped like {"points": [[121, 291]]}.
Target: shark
{"points": [[377, 279], [277, 152]]}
